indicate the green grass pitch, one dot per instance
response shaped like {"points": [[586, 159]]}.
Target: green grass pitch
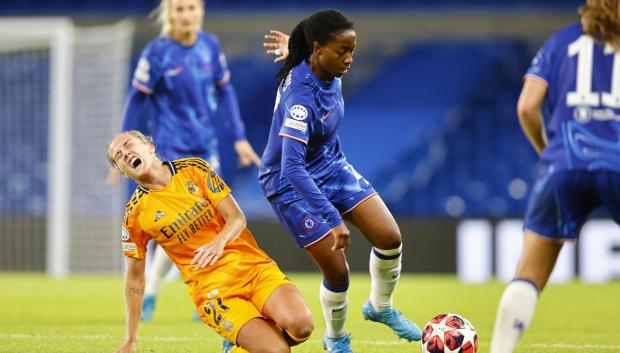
{"points": [[86, 314]]}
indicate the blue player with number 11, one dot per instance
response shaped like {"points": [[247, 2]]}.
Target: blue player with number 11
{"points": [[577, 75]]}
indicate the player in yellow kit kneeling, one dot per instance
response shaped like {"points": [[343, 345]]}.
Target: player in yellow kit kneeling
{"points": [[237, 289]]}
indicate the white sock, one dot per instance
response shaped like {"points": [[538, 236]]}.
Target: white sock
{"points": [[160, 267], [384, 267], [334, 306], [514, 314]]}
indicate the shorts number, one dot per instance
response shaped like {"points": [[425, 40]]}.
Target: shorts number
{"points": [[211, 308]]}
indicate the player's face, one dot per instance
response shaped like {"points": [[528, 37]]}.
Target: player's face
{"points": [[336, 56], [186, 15], [132, 156]]}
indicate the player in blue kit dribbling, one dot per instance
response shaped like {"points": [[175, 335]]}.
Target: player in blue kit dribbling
{"points": [[180, 83], [577, 75], [312, 187]]}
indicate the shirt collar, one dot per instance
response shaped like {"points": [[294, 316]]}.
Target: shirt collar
{"points": [[309, 77]]}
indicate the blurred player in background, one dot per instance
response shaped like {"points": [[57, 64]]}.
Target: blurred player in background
{"points": [[181, 81], [577, 75], [311, 186], [183, 205]]}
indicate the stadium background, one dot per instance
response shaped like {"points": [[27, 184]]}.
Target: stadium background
{"points": [[430, 120]]}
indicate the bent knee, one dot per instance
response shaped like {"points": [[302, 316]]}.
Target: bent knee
{"points": [[300, 325], [391, 240], [302, 331], [306, 331], [337, 277]]}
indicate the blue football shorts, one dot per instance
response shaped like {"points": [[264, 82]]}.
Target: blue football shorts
{"points": [[345, 189], [561, 201]]}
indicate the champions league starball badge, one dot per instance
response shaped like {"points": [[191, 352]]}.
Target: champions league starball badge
{"points": [[299, 112]]}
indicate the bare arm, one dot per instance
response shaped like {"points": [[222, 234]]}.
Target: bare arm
{"points": [[529, 110], [134, 294], [229, 106], [235, 222]]}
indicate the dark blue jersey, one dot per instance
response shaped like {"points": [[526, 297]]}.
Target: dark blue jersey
{"points": [[303, 149], [185, 86], [307, 110], [583, 99]]}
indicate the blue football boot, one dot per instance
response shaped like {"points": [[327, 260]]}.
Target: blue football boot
{"points": [[228, 346], [393, 319], [337, 345], [148, 307]]}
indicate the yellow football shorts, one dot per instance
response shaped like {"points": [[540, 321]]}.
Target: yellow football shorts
{"points": [[228, 311]]}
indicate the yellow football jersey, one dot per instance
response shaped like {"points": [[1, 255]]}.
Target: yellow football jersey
{"points": [[182, 217]]}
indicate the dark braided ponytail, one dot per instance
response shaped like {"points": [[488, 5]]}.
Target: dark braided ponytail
{"points": [[321, 27]]}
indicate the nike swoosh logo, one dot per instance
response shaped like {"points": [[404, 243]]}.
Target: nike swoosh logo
{"points": [[175, 71], [326, 115]]}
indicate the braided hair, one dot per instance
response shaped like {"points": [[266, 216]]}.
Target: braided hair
{"points": [[321, 27]]}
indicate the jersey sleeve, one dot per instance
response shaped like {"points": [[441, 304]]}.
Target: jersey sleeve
{"points": [[221, 71], [148, 71], [297, 120], [133, 238], [215, 189], [542, 64], [294, 169], [133, 112]]}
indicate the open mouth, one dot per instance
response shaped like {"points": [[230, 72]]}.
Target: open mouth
{"points": [[135, 163]]}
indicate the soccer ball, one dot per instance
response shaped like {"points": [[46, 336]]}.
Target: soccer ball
{"points": [[449, 333]]}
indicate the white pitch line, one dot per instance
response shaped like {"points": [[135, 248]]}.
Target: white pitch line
{"points": [[578, 347], [574, 346]]}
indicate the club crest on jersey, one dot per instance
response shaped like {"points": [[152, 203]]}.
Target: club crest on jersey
{"points": [[299, 112], [191, 187], [124, 234], [159, 215], [309, 223]]}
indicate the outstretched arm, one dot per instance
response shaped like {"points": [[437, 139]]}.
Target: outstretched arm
{"points": [[277, 44], [529, 111], [133, 109], [134, 294], [230, 109]]}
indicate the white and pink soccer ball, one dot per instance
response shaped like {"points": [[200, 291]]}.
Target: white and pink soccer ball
{"points": [[449, 333]]}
